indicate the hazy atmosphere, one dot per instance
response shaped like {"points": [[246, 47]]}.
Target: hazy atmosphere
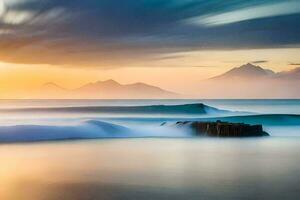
{"points": [[175, 45], [149, 99]]}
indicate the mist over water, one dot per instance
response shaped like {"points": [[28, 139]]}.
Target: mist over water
{"points": [[35, 120], [131, 156]]}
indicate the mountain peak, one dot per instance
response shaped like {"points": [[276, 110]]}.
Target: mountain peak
{"points": [[246, 71], [99, 85], [109, 81], [249, 65], [51, 85], [250, 69]]}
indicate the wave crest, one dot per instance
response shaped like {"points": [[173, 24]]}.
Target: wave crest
{"points": [[91, 129], [195, 109]]}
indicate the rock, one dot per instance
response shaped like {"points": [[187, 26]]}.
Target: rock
{"points": [[224, 129]]}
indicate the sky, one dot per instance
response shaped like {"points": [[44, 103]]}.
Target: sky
{"points": [[174, 44]]}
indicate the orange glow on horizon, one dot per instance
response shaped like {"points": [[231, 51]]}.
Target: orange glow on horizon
{"points": [[181, 72]]}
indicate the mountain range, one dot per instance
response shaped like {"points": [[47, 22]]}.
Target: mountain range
{"points": [[109, 89], [251, 81], [247, 81]]}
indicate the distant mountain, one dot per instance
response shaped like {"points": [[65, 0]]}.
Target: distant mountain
{"points": [[250, 71], [99, 86], [52, 86], [250, 81], [49, 90], [246, 71], [292, 74], [108, 89]]}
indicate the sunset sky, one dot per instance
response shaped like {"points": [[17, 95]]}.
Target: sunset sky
{"points": [[173, 44]]}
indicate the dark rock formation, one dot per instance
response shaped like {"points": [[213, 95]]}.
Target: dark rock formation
{"points": [[224, 129]]}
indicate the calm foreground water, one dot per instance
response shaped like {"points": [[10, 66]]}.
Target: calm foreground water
{"points": [[40, 161], [152, 169]]}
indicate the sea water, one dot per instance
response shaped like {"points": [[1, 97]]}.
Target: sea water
{"points": [[129, 155]]}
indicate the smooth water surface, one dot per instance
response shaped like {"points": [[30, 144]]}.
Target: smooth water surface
{"points": [[266, 168]]}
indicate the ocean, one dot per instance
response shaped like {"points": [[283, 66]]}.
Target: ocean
{"points": [[117, 149]]}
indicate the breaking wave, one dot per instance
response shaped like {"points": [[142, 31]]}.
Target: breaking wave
{"points": [[186, 109], [91, 129], [123, 126]]}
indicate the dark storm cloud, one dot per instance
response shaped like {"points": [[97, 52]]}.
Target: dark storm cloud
{"points": [[95, 32]]}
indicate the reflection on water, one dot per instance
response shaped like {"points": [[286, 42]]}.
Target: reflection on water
{"points": [[267, 168]]}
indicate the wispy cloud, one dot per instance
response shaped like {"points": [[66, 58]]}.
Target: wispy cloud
{"points": [[259, 61], [2, 8], [255, 12], [169, 57], [97, 33], [295, 64], [203, 66], [16, 17]]}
